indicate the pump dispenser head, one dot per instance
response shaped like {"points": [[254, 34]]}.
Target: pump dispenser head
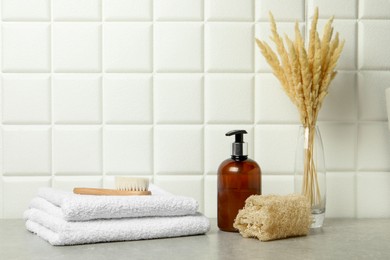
{"points": [[239, 148]]}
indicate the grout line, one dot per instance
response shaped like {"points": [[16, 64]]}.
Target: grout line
{"points": [[254, 89], [385, 69], [51, 95], [153, 107], [204, 101], [357, 128], [102, 85], [1, 119], [306, 22]]}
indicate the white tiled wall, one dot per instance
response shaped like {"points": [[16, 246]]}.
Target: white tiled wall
{"points": [[91, 89]]}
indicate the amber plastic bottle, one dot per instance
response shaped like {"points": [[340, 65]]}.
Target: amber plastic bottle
{"points": [[238, 178]]}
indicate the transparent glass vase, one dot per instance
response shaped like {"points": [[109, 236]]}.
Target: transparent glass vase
{"points": [[310, 172]]}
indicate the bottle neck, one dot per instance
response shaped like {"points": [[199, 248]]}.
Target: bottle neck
{"points": [[239, 158], [239, 151]]}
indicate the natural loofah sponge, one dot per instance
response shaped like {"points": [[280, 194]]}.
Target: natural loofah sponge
{"points": [[270, 217]]}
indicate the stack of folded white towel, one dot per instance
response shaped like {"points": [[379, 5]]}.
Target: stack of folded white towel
{"points": [[64, 218]]}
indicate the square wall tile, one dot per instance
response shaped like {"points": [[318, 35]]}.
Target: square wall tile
{"points": [[178, 10], [26, 99], [127, 99], [76, 99], [26, 10], [229, 10], [218, 146], [77, 150], [373, 195], [373, 147], [346, 9], [68, 183], [20, 55], [76, 10], [339, 141], [340, 195], [76, 47], [128, 150], [178, 47], [272, 105], [211, 197], [373, 44], [18, 192], [178, 149], [371, 94], [275, 147], [263, 33], [125, 53], [124, 10], [229, 98], [340, 103], [178, 185], [374, 9], [277, 184], [26, 150], [178, 98], [347, 30], [282, 10], [229, 47]]}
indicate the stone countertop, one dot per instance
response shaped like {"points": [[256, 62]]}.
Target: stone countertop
{"points": [[339, 239]]}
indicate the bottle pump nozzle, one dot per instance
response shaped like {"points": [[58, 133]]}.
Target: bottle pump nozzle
{"points": [[239, 148]]}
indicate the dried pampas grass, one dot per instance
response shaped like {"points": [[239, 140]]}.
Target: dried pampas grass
{"points": [[305, 75]]}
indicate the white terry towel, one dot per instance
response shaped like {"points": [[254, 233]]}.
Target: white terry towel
{"points": [[74, 207], [57, 231]]}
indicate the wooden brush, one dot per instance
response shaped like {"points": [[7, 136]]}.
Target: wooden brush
{"points": [[125, 186]]}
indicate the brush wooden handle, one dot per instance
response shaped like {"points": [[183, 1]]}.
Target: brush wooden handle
{"points": [[109, 192]]}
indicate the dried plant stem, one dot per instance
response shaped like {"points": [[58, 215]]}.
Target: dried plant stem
{"points": [[310, 187]]}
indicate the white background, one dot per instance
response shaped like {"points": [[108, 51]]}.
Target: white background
{"points": [[91, 89]]}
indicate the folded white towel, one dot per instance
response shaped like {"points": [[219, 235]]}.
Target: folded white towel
{"points": [[76, 207], [49, 208], [57, 231]]}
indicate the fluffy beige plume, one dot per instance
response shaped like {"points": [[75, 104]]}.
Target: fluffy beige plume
{"points": [[283, 54], [312, 40], [325, 42], [305, 75]]}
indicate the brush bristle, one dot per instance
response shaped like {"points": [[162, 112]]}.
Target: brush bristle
{"points": [[131, 183]]}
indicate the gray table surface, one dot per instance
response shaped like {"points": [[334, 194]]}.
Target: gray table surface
{"points": [[339, 239]]}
